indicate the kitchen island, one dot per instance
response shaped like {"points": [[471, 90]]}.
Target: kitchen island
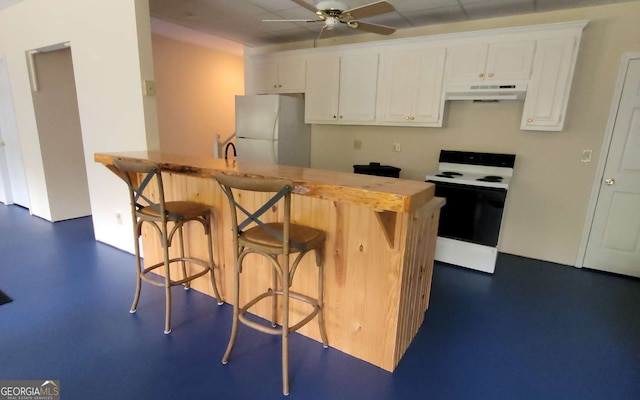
{"points": [[381, 236]]}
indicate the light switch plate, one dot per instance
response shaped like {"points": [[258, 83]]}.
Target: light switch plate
{"points": [[586, 156], [148, 87]]}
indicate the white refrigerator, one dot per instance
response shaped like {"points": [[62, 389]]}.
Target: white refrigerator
{"points": [[270, 129]]}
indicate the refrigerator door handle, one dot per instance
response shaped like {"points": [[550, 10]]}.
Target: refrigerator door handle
{"points": [[274, 143], [274, 128], [275, 138]]}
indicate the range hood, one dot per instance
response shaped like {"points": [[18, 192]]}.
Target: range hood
{"points": [[486, 92]]}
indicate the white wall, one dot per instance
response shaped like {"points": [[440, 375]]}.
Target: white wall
{"points": [[114, 116]]}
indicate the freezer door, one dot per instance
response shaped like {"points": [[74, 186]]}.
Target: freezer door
{"points": [[256, 150], [257, 116]]}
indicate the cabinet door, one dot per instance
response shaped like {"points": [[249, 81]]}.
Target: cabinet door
{"points": [[282, 75], [548, 93], [466, 63], [429, 100], [358, 87], [411, 87], [510, 61], [396, 90], [322, 89], [291, 75], [503, 61], [265, 76]]}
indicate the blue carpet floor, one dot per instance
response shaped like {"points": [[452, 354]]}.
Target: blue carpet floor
{"points": [[534, 330]]}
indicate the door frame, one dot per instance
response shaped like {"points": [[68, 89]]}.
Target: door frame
{"points": [[604, 151]]}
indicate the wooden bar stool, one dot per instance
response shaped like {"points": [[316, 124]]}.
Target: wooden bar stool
{"points": [[159, 214], [272, 240]]}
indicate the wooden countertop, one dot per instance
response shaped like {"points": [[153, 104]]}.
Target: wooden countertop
{"points": [[379, 193]]}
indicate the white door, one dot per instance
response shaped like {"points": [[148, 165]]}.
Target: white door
{"points": [[614, 240], [11, 165]]}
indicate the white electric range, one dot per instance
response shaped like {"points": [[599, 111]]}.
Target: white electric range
{"points": [[475, 186]]}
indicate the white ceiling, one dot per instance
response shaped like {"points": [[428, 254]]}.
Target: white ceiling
{"points": [[241, 20]]}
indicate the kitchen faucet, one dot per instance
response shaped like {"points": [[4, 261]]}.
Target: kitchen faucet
{"points": [[226, 150]]}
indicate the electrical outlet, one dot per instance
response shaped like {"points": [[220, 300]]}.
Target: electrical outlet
{"points": [[586, 155], [357, 144], [118, 217], [396, 147]]}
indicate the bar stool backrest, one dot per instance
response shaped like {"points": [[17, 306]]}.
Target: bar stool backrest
{"points": [[139, 190], [282, 192]]}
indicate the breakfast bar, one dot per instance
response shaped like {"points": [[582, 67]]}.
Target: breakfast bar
{"points": [[379, 252]]}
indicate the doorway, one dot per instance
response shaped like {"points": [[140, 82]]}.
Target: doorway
{"points": [[13, 180], [613, 242], [58, 121]]}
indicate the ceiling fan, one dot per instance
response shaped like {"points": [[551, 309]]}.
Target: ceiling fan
{"points": [[333, 13]]}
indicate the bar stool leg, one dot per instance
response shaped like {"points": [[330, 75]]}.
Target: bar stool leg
{"points": [[212, 275], [187, 285], [274, 298], [136, 245], [285, 325], [167, 281], [323, 331], [236, 310]]}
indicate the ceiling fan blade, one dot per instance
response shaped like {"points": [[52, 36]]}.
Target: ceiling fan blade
{"points": [[374, 28], [306, 5], [292, 20], [369, 10]]}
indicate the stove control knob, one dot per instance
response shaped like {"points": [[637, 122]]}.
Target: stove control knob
{"points": [[610, 181]]}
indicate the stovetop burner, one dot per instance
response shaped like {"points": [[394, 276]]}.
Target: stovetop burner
{"points": [[490, 178], [450, 173]]}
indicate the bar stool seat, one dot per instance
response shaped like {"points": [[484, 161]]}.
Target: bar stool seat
{"points": [[306, 238], [159, 213], [272, 240], [184, 209]]}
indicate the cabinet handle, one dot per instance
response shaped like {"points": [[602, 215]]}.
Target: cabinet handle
{"points": [[341, 117], [279, 85], [529, 119], [334, 117], [275, 86], [490, 74], [410, 117], [481, 75]]}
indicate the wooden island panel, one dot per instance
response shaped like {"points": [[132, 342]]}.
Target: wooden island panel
{"points": [[375, 294]]}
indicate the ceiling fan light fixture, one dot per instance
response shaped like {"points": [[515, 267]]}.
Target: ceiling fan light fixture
{"points": [[331, 22], [331, 5]]}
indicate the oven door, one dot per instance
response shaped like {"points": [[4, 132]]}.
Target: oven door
{"points": [[472, 213]]}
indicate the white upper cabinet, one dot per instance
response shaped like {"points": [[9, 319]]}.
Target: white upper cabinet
{"points": [[548, 94], [490, 62], [410, 87], [279, 75], [405, 82], [341, 89]]}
